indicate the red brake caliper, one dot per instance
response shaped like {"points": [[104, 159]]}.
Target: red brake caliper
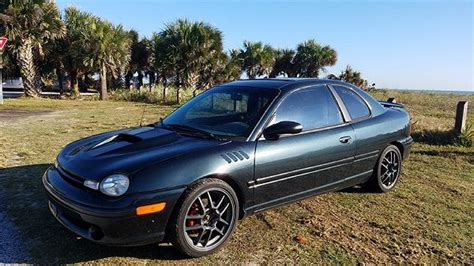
{"points": [[193, 211]]}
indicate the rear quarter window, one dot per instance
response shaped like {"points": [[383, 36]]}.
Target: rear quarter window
{"points": [[355, 105]]}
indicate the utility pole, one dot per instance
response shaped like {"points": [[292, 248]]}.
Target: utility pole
{"points": [[3, 41]]}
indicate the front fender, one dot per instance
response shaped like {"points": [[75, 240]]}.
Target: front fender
{"points": [[234, 161]]}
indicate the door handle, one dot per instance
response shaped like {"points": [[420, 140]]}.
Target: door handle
{"points": [[345, 139]]}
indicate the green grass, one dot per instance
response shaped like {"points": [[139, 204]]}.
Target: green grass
{"points": [[427, 219]]}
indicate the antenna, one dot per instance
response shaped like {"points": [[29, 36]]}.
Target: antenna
{"points": [[143, 114]]}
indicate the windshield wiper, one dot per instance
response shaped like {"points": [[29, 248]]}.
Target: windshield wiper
{"points": [[192, 130]]}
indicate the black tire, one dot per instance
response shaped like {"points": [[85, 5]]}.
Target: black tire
{"points": [[387, 170], [211, 231]]}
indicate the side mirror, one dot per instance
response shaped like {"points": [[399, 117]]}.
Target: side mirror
{"points": [[273, 132]]}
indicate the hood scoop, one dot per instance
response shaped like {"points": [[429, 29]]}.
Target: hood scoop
{"points": [[119, 137], [130, 136], [134, 140]]}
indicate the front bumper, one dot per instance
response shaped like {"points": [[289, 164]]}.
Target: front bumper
{"points": [[407, 143], [105, 220]]}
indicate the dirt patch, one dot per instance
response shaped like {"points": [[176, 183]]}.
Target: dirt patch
{"points": [[9, 114]]}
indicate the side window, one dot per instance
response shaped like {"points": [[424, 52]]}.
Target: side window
{"points": [[313, 108], [355, 105]]}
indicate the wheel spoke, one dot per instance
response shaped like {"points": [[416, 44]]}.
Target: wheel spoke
{"points": [[394, 177], [208, 238], [385, 177], [219, 231], [220, 202], [210, 200], [194, 227], [224, 221], [384, 165], [199, 239], [194, 217], [225, 209], [202, 204]]}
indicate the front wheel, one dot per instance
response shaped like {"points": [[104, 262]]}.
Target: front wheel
{"points": [[206, 218], [387, 170]]}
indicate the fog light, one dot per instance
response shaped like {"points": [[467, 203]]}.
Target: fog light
{"points": [[153, 208]]}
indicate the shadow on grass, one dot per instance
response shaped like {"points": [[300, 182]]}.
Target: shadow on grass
{"points": [[436, 137], [359, 189], [44, 238], [444, 153]]}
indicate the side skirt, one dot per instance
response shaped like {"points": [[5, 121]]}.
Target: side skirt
{"points": [[335, 186]]}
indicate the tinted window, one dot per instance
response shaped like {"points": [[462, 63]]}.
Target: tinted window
{"points": [[312, 108], [219, 104], [354, 104], [227, 111]]}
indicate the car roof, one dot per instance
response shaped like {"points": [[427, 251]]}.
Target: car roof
{"points": [[284, 84], [287, 85]]}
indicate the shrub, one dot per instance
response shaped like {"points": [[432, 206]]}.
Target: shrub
{"points": [[152, 95], [466, 137]]}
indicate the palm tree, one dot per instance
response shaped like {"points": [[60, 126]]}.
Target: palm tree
{"points": [[139, 58], [311, 58], [233, 68], [77, 45], [284, 64], [352, 76], [257, 59], [162, 64], [187, 49], [111, 52], [30, 25], [149, 65]]}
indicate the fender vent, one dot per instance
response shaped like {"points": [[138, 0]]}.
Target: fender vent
{"points": [[234, 156]]}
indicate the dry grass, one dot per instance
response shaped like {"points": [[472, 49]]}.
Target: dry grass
{"points": [[427, 219]]}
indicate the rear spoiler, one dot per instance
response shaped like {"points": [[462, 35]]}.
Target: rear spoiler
{"points": [[390, 104]]}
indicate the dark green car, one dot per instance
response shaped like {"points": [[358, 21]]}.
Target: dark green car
{"points": [[236, 149]]}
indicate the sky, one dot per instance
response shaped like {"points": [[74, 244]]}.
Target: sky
{"points": [[394, 44]]}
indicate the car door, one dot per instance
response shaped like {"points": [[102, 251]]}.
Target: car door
{"points": [[297, 165], [369, 142]]}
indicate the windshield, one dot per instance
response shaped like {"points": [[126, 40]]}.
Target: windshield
{"points": [[226, 111]]}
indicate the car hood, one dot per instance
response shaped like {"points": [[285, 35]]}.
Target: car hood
{"points": [[126, 151]]}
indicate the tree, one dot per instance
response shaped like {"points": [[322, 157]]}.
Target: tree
{"points": [[139, 58], [311, 58], [257, 59], [352, 76], [188, 49], [30, 25], [149, 66], [110, 52], [77, 45], [284, 64], [162, 63], [233, 68]]}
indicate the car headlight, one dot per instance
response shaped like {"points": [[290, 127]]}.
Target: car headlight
{"points": [[114, 185]]}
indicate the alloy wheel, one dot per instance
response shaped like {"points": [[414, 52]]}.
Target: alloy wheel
{"points": [[390, 169], [209, 219]]}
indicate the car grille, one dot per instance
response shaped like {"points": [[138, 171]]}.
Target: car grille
{"points": [[73, 179]]}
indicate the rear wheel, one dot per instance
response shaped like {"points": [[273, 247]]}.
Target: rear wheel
{"points": [[206, 218], [387, 170]]}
